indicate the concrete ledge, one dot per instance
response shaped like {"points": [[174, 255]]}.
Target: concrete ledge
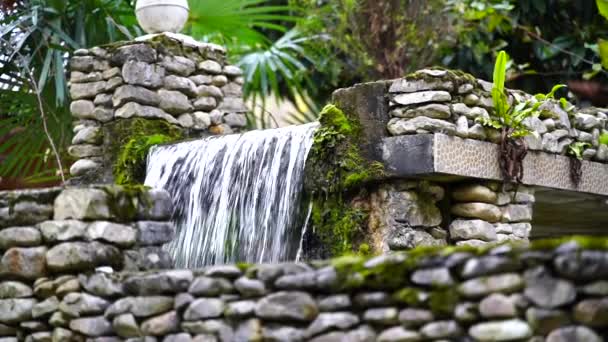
{"points": [[439, 155]]}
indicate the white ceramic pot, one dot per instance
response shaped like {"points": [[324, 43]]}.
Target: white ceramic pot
{"points": [[156, 16]]}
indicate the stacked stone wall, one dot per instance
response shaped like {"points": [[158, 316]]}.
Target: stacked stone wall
{"points": [[446, 101], [50, 237], [168, 77], [507, 293]]}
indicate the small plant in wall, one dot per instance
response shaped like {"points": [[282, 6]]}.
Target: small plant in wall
{"points": [[576, 150], [509, 118]]}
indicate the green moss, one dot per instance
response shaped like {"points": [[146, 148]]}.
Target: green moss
{"points": [[337, 224], [408, 295], [443, 302], [133, 139], [124, 201], [585, 242], [243, 266]]}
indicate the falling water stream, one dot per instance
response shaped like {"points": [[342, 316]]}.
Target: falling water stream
{"points": [[237, 198]]}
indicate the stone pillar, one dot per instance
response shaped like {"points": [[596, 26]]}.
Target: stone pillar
{"points": [[164, 84], [484, 212], [405, 214]]}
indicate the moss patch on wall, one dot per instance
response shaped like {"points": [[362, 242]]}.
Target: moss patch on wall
{"points": [[131, 141]]}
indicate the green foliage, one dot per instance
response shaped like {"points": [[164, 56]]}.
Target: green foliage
{"points": [[576, 149], [41, 35], [603, 139], [133, 139], [602, 6], [507, 117]]}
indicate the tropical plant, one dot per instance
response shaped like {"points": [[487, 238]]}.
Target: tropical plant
{"points": [[37, 38]]}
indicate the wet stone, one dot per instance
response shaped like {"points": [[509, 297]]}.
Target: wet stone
{"points": [[126, 326], [503, 283], [329, 321], [143, 74], [497, 306], [250, 287], [334, 303], [544, 321], [586, 265], [210, 287], [140, 306], [433, 277], [413, 318], [592, 312], [488, 265], [161, 325], [381, 316], [24, 263], [573, 333], [297, 306], [508, 330], [549, 292], [91, 326], [245, 308], [204, 308], [441, 329]]}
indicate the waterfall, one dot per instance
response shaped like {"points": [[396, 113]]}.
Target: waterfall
{"points": [[237, 198]]}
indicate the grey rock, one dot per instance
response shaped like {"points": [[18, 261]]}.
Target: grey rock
{"points": [[232, 71], [205, 103], [179, 65], [250, 287], [60, 231], [174, 102], [156, 205], [517, 213], [79, 77], [15, 289], [249, 330], [128, 93], [88, 135], [372, 299], [476, 210], [399, 334], [477, 131], [381, 316], [82, 109], [104, 100], [544, 321], [334, 320], [413, 318], [592, 312], [233, 105], [487, 265], [441, 329], [472, 229], [154, 233], [422, 97], [209, 90], [140, 307], [23, 263], [220, 80], [439, 276], [270, 272], [86, 90], [143, 74], [398, 126], [126, 326], [19, 237], [497, 305], [508, 330], [84, 151], [244, 308], [597, 288], [91, 326], [186, 120], [133, 109], [82, 304], [433, 110], [113, 83], [297, 306], [82, 63], [235, 120], [210, 287], [300, 281], [117, 234], [483, 286], [162, 282], [45, 308], [135, 52], [161, 325], [406, 85], [82, 204], [474, 193], [201, 120], [110, 73], [201, 79], [204, 308], [81, 256], [335, 303], [408, 238], [586, 121], [232, 89], [548, 292], [211, 67], [223, 271], [586, 265], [413, 208], [212, 326], [16, 310], [535, 124], [103, 114], [183, 337], [282, 334], [182, 84], [102, 284], [573, 333]]}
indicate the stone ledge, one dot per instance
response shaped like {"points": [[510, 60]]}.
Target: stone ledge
{"points": [[439, 155]]}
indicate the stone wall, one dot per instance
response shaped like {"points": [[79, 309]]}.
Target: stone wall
{"points": [[449, 102], [544, 293], [50, 236], [169, 78]]}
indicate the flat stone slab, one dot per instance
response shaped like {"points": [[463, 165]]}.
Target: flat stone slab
{"points": [[440, 156]]}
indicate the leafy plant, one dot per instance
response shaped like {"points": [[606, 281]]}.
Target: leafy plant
{"points": [[576, 149]]}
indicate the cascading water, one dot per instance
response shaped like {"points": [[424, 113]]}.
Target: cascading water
{"points": [[237, 198]]}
